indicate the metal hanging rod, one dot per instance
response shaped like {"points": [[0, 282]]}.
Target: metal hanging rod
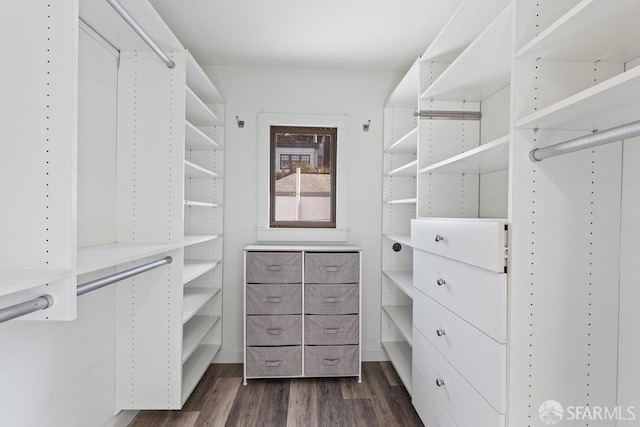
{"points": [[45, 301], [141, 32], [595, 139], [448, 115]]}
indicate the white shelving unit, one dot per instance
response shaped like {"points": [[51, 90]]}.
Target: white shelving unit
{"points": [[402, 317], [406, 144], [400, 354], [403, 280], [490, 157], [403, 239], [194, 332], [12, 281], [93, 258], [195, 139], [196, 268], [194, 300], [195, 367]]}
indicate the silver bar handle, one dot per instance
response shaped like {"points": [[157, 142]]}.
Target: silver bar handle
{"points": [[439, 238], [24, 308], [141, 32], [439, 382]]}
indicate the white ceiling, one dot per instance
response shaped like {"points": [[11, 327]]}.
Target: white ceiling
{"points": [[383, 35]]}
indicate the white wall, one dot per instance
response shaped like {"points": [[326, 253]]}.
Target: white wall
{"points": [[358, 94]]}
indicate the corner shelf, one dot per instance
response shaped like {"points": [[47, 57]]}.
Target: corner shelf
{"points": [[19, 280], [194, 299], [195, 139], [196, 268], [191, 170], [405, 95], [408, 144], [487, 56], [613, 26], [199, 83], [400, 354], [405, 170], [490, 157], [198, 113], [403, 239], [403, 280], [194, 332], [92, 258], [195, 367], [402, 317], [611, 103], [463, 27]]}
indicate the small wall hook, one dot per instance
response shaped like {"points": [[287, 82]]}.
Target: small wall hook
{"points": [[365, 127], [240, 122]]}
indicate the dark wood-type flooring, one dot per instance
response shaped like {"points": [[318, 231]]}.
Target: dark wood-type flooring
{"points": [[221, 400]]}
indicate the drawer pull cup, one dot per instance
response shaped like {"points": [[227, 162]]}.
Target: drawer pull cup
{"points": [[440, 332], [331, 330], [330, 362], [274, 300], [439, 238], [273, 363], [439, 382], [441, 282], [274, 267], [331, 299], [331, 268], [274, 331]]}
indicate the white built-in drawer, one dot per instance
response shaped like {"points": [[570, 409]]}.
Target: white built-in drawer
{"points": [[477, 242], [477, 295], [463, 403], [427, 406], [478, 357]]}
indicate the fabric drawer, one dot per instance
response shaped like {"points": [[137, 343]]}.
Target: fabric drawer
{"points": [[477, 242], [274, 299], [461, 401], [274, 330], [331, 360], [274, 361], [331, 299], [332, 267], [331, 330], [427, 405], [477, 295], [274, 267]]}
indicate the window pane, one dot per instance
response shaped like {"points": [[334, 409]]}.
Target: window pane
{"points": [[303, 176]]}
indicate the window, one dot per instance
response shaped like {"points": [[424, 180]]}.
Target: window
{"points": [[303, 177]]}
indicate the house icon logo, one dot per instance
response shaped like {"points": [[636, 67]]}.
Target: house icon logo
{"points": [[551, 412]]}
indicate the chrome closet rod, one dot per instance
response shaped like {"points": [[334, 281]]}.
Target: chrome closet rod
{"points": [[45, 301], [141, 32], [595, 139]]}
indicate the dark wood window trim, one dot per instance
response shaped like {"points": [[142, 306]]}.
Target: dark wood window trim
{"points": [[333, 132]]}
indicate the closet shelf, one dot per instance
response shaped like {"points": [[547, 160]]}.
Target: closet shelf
{"points": [[487, 56], [592, 30], [402, 201], [611, 103], [198, 113], [408, 144], [194, 299], [403, 280], [400, 355], [490, 157], [195, 139], [196, 268], [92, 258], [463, 27], [405, 95], [402, 317], [194, 332], [405, 170], [191, 170], [194, 239], [199, 83], [19, 280], [403, 239], [193, 203], [196, 366]]}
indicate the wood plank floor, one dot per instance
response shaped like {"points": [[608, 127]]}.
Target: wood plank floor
{"points": [[221, 400]]}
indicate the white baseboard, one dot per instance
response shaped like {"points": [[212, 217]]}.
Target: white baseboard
{"points": [[376, 354], [122, 419]]}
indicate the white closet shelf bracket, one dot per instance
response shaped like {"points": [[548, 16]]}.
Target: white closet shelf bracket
{"points": [[45, 301], [141, 32], [595, 139]]}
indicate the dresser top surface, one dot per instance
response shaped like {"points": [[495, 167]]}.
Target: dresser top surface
{"points": [[302, 248]]}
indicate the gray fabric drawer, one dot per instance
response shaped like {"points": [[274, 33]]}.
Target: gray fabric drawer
{"points": [[331, 330], [274, 330], [274, 299], [331, 360], [274, 361], [331, 299], [274, 267], [332, 267]]}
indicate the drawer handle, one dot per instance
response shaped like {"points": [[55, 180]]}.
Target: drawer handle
{"points": [[274, 267], [274, 331], [330, 362], [331, 268], [440, 332], [273, 299], [331, 330], [273, 363], [439, 382], [439, 238], [441, 282], [331, 299]]}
